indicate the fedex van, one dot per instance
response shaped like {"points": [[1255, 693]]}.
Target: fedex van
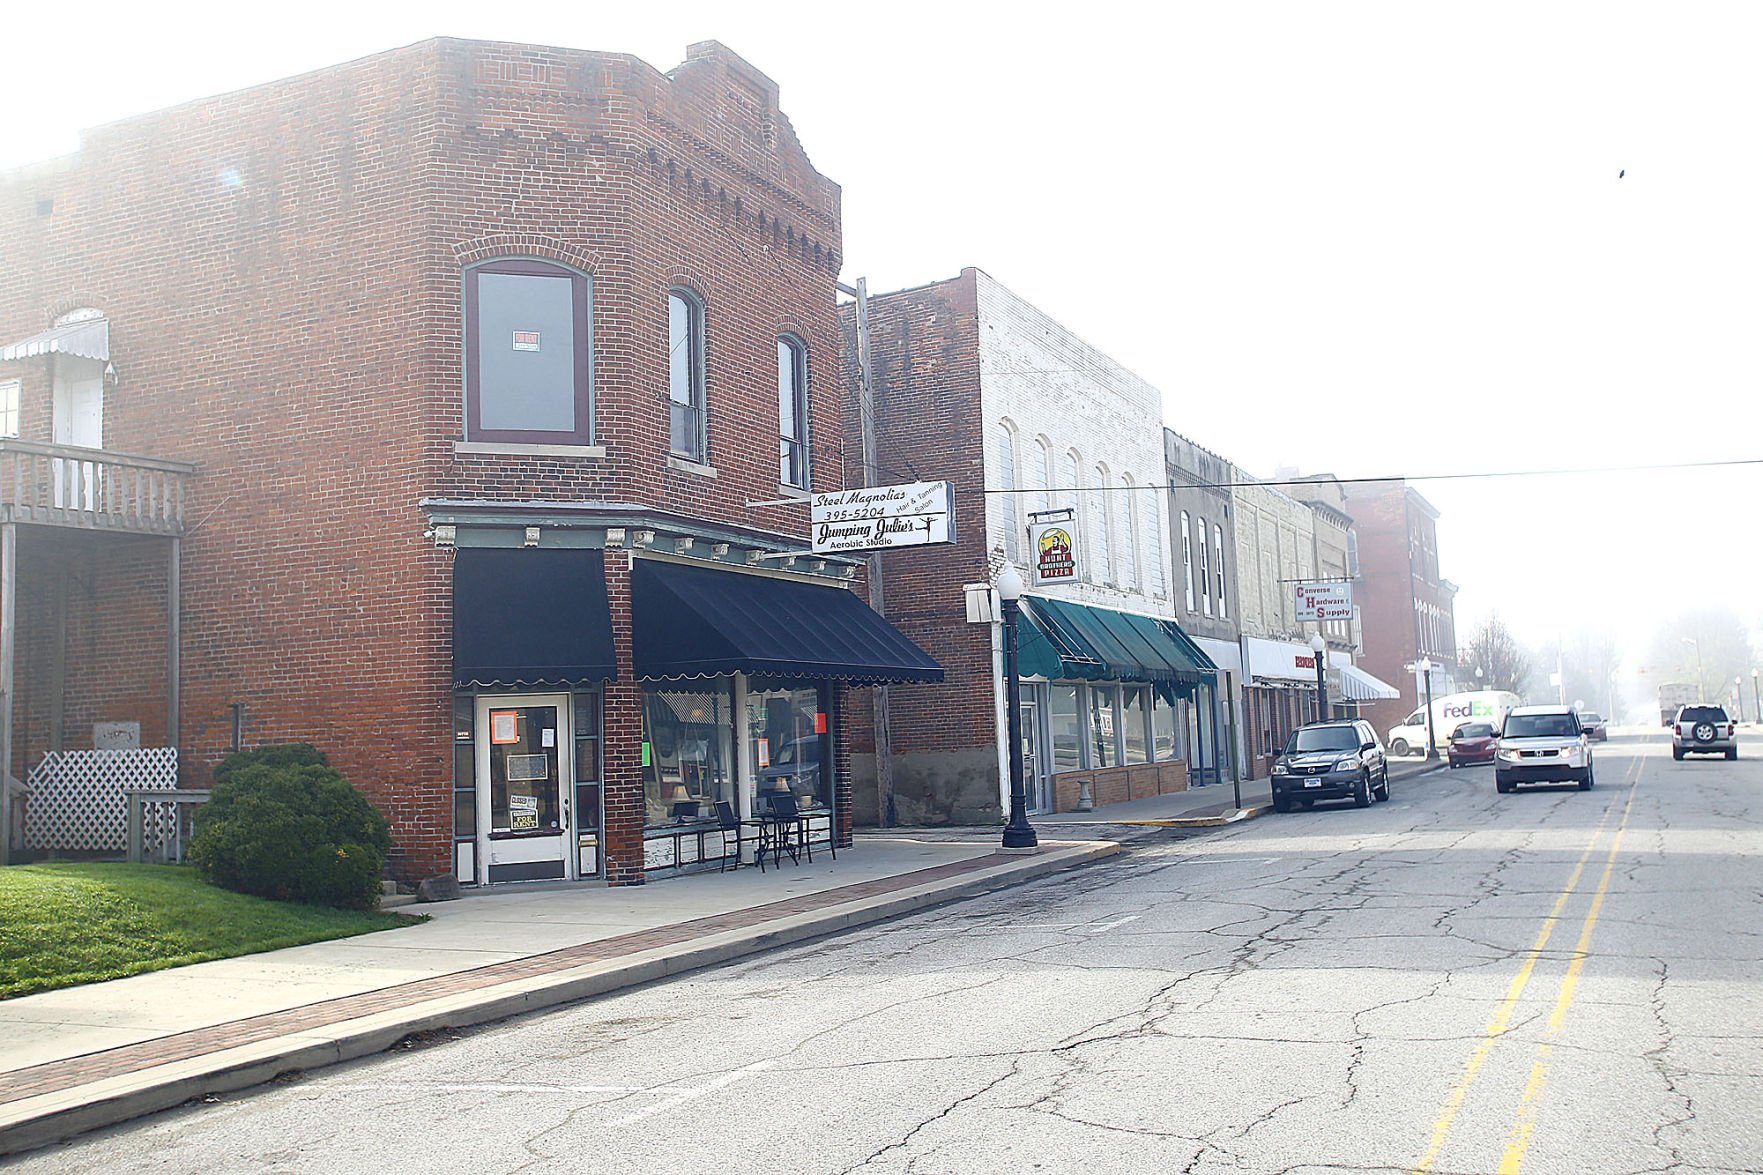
{"points": [[1408, 737]]}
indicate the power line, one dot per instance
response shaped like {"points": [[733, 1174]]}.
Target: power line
{"points": [[1394, 477]]}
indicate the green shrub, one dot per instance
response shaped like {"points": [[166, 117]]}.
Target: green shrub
{"points": [[283, 825]]}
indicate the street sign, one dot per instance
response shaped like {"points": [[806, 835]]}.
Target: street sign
{"points": [[879, 518], [1325, 601]]}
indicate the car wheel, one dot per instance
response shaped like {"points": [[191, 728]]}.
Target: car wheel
{"points": [[1677, 753], [1362, 790], [1585, 784], [1383, 787], [1281, 804], [1399, 747], [1703, 732], [1732, 752], [1504, 787]]}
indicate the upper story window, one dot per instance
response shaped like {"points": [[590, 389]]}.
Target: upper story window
{"points": [[9, 399], [1007, 483], [1129, 542], [1187, 559], [528, 353], [1102, 526], [1038, 471], [687, 434], [1205, 575], [1218, 566], [792, 411]]}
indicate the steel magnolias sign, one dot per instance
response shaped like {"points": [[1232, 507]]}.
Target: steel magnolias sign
{"points": [[1325, 601], [1053, 551], [878, 518]]}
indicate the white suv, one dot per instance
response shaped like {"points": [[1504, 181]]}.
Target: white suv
{"points": [[1704, 730], [1542, 744]]}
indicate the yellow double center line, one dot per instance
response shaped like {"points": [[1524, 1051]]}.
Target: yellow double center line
{"points": [[1519, 1141]]}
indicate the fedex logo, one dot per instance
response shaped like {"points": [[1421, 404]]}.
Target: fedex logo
{"points": [[1469, 710]]}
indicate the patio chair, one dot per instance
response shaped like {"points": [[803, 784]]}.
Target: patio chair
{"points": [[731, 833]]}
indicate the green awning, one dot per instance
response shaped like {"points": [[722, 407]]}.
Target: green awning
{"points": [[1063, 641]]}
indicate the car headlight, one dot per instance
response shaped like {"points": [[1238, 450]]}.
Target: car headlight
{"points": [[1511, 756], [1281, 769], [1350, 763]]}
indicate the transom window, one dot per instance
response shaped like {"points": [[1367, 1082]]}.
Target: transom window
{"points": [[528, 353], [792, 411], [685, 374]]}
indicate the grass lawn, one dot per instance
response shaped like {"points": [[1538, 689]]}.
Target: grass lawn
{"points": [[65, 924]]}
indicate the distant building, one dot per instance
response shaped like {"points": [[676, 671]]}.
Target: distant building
{"points": [[1407, 609]]}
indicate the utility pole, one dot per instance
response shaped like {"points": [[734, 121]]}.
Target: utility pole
{"points": [[884, 747]]}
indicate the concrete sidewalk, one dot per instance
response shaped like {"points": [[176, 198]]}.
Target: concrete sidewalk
{"points": [[90, 1056]]}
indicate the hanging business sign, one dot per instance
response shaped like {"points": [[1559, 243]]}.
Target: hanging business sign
{"points": [[1325, 601], [879, 518], [1053, 552]]}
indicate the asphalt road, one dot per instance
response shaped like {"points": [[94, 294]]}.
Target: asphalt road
{"points": [[1556, 981]]}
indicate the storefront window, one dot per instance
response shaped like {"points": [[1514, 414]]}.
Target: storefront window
{"points": [[1104, 751], [789, 740], [688, 732], [1067, 732], [1133, 717], [1162, 730]]}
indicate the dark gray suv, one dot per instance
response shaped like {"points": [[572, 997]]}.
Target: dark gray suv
{"points": [[1331, 761]]}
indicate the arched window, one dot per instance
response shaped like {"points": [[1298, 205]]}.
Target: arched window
{"points": [[1187, 559], [685, 375], [1129, 539], [1218, 568], [528, 353], [1154, 539], [1005, 480], [1205, 570], [1102, 527], [1038, 471], [792, 411], [1070, 477]]}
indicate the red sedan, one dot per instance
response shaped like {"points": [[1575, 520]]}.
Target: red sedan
{"points": [[1473, 742]]}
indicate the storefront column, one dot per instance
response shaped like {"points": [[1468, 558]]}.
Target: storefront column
{"points": [[622, 748], [746, 771], [844, 802]]}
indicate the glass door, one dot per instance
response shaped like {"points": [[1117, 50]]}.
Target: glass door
{"points": [[1037, 765], [523, 752]]}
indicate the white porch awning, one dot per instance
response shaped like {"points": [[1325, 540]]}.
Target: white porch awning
{"points": [[1360, 686], [88, 339]]}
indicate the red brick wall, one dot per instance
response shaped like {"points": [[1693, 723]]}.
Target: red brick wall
{"points": [[282, 269], [925, 357]]}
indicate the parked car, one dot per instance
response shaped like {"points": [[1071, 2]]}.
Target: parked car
{"points": [[1596, 729], [1473, 742], [1704, 730], [1542, 744], [1331, 761]]}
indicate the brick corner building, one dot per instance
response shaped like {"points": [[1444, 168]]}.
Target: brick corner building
{"points": [[404, 407]]}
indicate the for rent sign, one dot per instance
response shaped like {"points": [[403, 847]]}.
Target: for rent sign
{"points": [[877, 518], [1325, 601]]}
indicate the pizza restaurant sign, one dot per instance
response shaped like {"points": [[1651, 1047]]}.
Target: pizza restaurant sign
{"points": [[1054, 550], [879, 518]]}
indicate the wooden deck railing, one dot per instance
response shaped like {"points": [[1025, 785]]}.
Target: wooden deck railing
{"points": [[92, 489]]}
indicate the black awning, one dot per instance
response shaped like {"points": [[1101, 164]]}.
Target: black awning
{"points": [[530, 617], [691, 621]]}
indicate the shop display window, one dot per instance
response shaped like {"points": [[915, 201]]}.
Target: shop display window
{"points": [[687, 759], [1067, 730], [790, 741]]}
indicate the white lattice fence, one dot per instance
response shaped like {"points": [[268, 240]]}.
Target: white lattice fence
{"points": [[77, 801]]}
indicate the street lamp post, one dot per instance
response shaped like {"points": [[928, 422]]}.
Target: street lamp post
{"points": [[1018, 834], [1690, 640], [1758, 696], [1318, 648], [1432, 742]]}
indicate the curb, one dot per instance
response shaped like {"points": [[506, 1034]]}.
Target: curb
{"points": [[1235, 816], [52, 1117]]}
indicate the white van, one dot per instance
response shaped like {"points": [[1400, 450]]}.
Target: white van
{"points": [[1408, 737]]}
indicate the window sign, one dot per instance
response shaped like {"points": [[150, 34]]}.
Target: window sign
{"points": [[523, 812], [763, 746], [526, 340], [1054, 548], [504, 727]]}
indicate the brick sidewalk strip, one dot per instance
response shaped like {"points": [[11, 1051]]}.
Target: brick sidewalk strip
{"points": [[54, 1076]]}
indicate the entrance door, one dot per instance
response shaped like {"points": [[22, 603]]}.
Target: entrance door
{"points": [[524, 746], [78, 419], [1037, 766]]}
